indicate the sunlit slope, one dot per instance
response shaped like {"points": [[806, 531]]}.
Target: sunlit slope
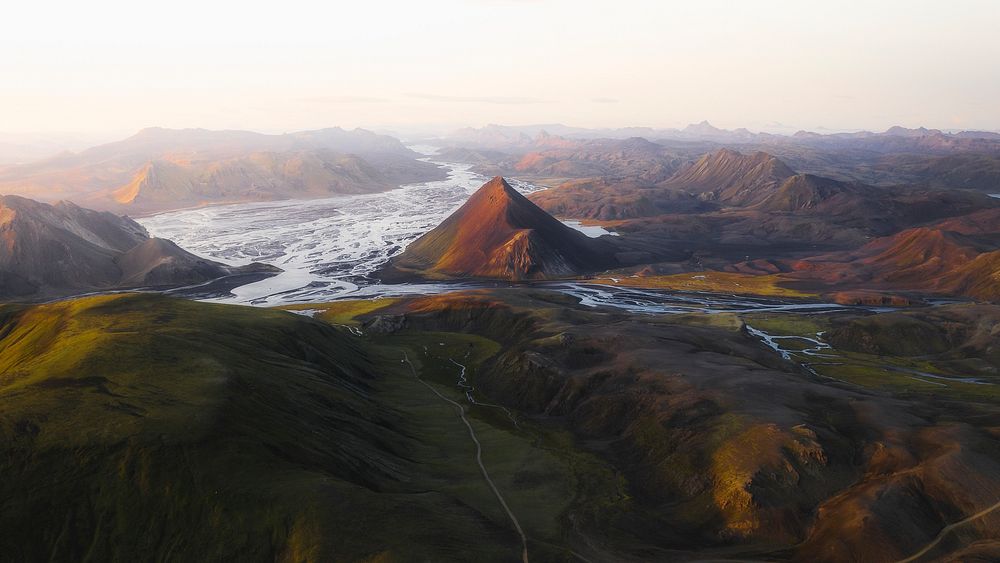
{"points": [[499, 234], [138, 427], [141, 427]]}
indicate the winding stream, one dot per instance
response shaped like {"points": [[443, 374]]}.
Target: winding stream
{"points": [[654, 301]]}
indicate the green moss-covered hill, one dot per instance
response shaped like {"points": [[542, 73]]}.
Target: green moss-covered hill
{"points": [[138, 427], [145, 428]]}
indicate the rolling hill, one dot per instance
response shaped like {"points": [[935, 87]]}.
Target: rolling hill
{"points": [[723, 443], [161, 429]]}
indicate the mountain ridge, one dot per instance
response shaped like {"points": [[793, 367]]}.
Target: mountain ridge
{"points": [[732, 177], [199, 166], [62, 249]]}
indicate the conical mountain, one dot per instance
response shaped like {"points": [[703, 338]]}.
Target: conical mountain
{"points": [[500, 234]]}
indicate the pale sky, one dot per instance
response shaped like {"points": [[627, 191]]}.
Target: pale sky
{"points": [[116, 65]]}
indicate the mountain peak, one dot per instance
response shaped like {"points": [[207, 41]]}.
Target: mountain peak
{"points": [[497, 183], [704, 127], [733, 177], [899, 131], [729, 157], [500, 234], [497, 191]]}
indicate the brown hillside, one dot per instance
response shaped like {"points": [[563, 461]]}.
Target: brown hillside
{"points": [[732, 177]]}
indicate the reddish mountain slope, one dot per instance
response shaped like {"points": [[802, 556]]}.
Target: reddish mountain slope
{"points": [[916, 256], [928, 259], [981, 223], [979, 278], [499, 234]]}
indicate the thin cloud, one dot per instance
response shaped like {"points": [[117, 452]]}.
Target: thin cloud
{"points": [[604, 101], [503, 100]]}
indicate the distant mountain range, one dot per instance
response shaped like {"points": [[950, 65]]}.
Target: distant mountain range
{"points": [[757, 181], [62, 249], [159, 169], [885, 238], [18, 148], [503, 136], [926, 157]]}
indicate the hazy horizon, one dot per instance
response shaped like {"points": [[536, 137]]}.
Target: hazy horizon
{"points": [[777, 67]]}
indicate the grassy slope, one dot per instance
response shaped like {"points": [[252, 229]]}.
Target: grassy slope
{"points": [[142, 425], [717, 446], [553, 486], [342, 312], [719, 282], [138, 426], [545, 479]]}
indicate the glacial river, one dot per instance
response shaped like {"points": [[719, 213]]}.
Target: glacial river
{"points": [[328, 247]]}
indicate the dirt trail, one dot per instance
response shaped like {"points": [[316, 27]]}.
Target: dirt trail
{"points": [[946, 530], [479, 459]]}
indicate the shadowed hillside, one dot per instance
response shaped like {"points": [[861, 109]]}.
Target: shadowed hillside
{"points": [[60, 249]]}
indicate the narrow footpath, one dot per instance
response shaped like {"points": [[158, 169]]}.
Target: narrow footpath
{"points": [[479, 459]]}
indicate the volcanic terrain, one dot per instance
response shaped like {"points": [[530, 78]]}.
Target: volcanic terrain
{"points": [[500, 234]]}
